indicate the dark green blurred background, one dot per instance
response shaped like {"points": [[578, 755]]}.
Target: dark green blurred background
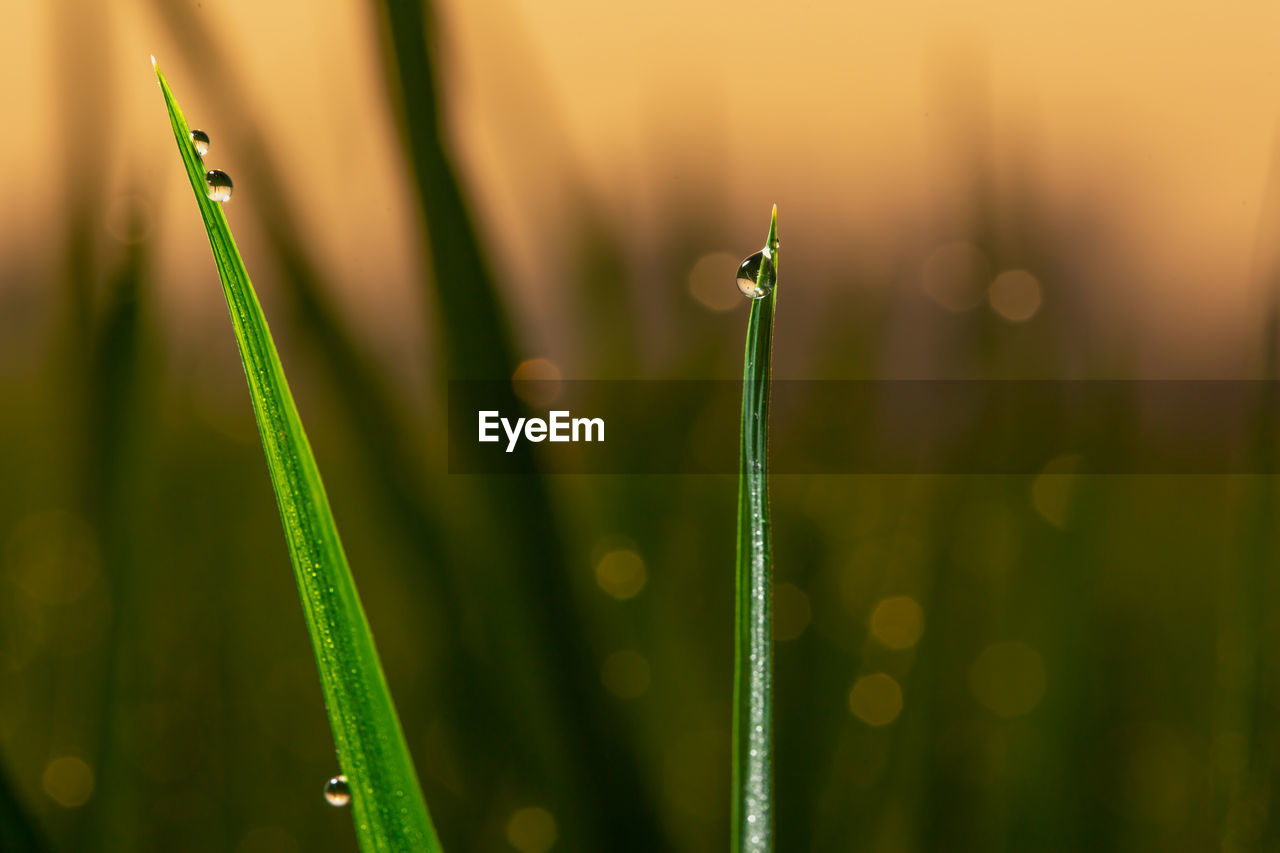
{"points": [[1051, 662]]}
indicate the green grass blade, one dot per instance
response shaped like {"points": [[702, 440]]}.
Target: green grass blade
{"points": [[752, 828], [389, 811]]}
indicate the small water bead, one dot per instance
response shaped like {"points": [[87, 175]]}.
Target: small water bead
{"points": [[756, 275], [337, 792], [200, 141], [217, 185]]}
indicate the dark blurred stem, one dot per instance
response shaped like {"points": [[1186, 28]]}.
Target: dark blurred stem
{"points": [[86, 87], [112, 436], [1238, 744], [603, 768], [1238, 749], [474, 331]]}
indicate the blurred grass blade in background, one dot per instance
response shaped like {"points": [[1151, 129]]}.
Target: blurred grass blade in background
{"points": [[390, 813], [585, 749], [116, 410], [752, 828]]}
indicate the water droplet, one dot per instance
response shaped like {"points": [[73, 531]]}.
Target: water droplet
{"points": [[337, 792], [200, 141], [218, 185], [754, 281]]}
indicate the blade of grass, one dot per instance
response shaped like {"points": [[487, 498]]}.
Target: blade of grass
{"points": [[489, 692], [476, 709], [389, 810], [752, 828]]}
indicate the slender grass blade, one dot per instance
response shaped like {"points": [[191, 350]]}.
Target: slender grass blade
{"points": [[752, 830], [389, 810]]}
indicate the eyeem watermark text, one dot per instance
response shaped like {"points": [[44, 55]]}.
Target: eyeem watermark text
{"points": [[560, 426]]}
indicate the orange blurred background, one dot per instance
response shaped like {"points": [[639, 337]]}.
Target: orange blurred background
{"points": [[869, 125]]}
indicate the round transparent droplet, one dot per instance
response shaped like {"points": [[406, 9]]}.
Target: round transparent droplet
{"points": [[337, 792], [217, 185], [200, 141], [756, 275]]}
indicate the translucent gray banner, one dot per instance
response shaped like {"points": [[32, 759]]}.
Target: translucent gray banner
{"points": [[866, 427]]}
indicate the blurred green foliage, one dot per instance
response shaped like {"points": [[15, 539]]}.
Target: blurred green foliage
{"points": [[1055, 662]]}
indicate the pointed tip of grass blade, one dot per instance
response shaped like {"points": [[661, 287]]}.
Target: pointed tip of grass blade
{"points": [[155, 68], [772, 240]]}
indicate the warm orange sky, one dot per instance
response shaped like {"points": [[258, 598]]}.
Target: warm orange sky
{"points": [[845, 114]]}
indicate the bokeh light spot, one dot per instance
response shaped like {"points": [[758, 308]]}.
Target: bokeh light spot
{"points": [[1008, 678], [532, 830], [711, 281], [621, 574], [68, 781], [626, 674], [1015, 295], [897, 622], [536, 381], [876, 699], [791, 612]]}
